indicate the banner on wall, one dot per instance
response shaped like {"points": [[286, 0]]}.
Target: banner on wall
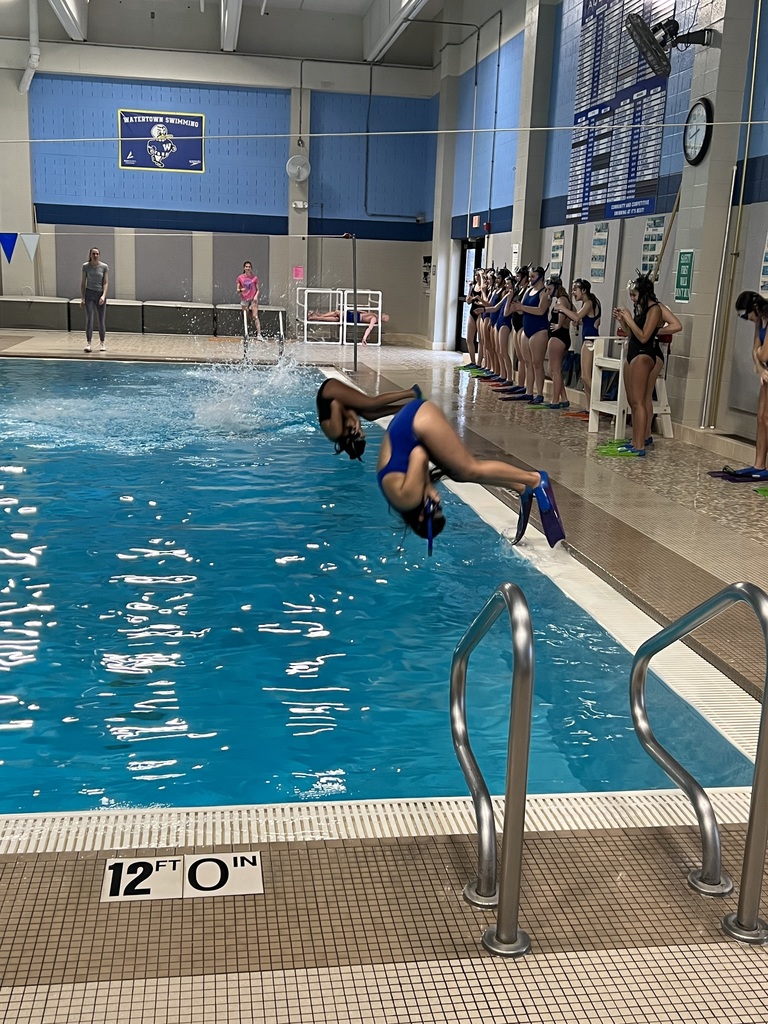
{"points": [[151, 140], [556, 252], [599, 253], [652, 241], [764, 268]]}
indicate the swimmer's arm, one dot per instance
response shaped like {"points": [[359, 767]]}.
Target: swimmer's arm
{"points": [[351, 421], [407, 490], [333, 427], [756, 346], [577, 317], [543, 306], [651, 324], [671, 324]]}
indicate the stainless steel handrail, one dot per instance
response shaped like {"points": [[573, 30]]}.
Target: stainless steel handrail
{"points": [[505, 938], [745, 924]]}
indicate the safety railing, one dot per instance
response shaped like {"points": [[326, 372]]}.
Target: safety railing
{"points": [[710, 879], [505, 938]]}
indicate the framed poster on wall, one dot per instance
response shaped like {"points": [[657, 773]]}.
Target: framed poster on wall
{"points": [[152, 140], [599, 251]]}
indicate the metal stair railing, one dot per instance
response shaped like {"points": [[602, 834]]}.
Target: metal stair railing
{"points": [[710, 880], [505, 938]]}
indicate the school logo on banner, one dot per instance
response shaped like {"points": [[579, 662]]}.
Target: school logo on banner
{"points": [[153, 140]]}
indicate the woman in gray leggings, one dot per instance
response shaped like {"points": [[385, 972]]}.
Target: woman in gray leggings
{"points": [[93, 295]]}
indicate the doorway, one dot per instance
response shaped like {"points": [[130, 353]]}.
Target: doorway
{"points": [[471, 257]]}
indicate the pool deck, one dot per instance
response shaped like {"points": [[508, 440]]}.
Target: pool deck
{"points": [[362, 917]]}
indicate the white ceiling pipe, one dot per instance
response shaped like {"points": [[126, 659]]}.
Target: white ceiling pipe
{"points": [[33, 61]]}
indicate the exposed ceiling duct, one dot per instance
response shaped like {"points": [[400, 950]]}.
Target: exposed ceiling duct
{"points": [[33, 60]]}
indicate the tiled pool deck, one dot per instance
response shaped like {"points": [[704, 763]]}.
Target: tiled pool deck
{"points": [[362, 918]]}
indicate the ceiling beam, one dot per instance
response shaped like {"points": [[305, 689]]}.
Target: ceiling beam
{"points": [[73, 15], [231, 11], [392, 17]]}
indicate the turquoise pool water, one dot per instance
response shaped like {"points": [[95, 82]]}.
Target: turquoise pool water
{"points": [[200, 604]]}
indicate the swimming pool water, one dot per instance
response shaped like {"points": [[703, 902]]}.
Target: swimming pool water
{"points": [[200, 604]]}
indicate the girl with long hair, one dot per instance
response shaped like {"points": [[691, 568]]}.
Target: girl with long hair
{"points": [[559, 341], [643, 352], [588, 318], [752, 306]]}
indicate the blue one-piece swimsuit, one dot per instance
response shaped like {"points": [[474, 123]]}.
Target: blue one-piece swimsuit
{"points": [[402, 440], [533, 322]]}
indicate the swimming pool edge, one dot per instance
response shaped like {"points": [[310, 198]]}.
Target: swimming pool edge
{"points": [[247, 825]]}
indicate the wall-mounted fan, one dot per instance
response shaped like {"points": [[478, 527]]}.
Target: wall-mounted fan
{"points": [[298, 168], [655, 41]]}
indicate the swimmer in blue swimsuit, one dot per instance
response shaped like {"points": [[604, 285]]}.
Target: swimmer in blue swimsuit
{"points": [[752, 306], [535, 310], [420, 433], [338, 406]]}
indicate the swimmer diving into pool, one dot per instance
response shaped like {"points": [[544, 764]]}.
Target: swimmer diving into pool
{"points": [[340, 406], [420, 433]]}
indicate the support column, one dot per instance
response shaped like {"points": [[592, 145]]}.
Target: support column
{"points": [[441, 326], [16, 211], [719, 74], [442, 306], [298, 200], [538, 55]]}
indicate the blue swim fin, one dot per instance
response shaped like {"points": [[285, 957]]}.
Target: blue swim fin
{"points": [[550, 516], [526, 503]]}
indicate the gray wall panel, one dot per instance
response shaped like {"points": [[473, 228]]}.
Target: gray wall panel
{"points": [[73, 243], [229, 254], [164, 266]]}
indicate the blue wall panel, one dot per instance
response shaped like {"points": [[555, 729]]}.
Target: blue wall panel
{"points": [[498, 89], [393, 178], [242, 175]]}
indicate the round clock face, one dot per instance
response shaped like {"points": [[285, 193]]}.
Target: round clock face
{"points": [[698, 131]]}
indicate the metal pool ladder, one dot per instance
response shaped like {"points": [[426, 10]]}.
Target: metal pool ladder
{"points": [[505, 938], [710, 879]]}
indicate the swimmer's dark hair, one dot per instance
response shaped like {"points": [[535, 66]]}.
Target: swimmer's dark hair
{"points": [[646, 290], [752, 302], [352, 444], [586, 287], [421, 526]]}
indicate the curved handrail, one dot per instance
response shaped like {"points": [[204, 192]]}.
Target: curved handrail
{"points": [[710, 879], [508, 939]]}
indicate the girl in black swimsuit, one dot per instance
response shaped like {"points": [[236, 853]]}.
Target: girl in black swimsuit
{"points": [[642, 353], [338, 406], [476, 307], [559, 341]]}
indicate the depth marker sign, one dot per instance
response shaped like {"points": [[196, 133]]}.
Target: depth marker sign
{"points": [[186, 877]]}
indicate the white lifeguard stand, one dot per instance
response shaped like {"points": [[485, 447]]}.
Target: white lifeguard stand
{"points": [[322, 300], [619, 407], [368, 301]]}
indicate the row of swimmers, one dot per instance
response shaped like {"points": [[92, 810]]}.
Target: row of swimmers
{"points": [[419, 448], [525, 316]]}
